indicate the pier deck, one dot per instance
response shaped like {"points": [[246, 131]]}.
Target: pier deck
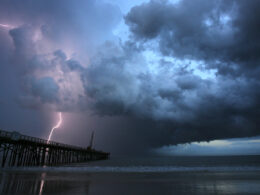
{"points": [[22, 150]]}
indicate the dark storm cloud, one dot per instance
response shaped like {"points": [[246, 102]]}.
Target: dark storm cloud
{"points": [[45, 88], [222, 34], [174, 105], [35, 39], [225, 31], [152, 104], [38, 29], [25, 61], [169, 107], [89, 21]]}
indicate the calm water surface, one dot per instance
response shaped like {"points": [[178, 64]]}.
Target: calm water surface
{"points": [[124, 175]]}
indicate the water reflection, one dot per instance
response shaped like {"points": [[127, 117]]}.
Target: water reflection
{"points": [[38, 183], [14, 183], [41, 183]]}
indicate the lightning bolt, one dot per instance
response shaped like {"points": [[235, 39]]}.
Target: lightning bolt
{"points": [[49, 138], [55, 127], [6, 26]]}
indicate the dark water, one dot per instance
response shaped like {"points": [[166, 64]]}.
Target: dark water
{"points": [[179, 162], [124, 175]]}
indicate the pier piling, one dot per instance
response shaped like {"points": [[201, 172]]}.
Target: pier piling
{"points": [[21, 150]]}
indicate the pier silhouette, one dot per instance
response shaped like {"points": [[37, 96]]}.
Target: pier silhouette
{"points": [[21, 150]]}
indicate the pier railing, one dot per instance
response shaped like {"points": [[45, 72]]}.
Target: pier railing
{"points": [[23, 150]]}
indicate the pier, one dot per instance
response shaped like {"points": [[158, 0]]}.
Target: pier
{"points": [[22, 150]]}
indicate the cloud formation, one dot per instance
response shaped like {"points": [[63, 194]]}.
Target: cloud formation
{"points": [[176, 100], [188, 72], [186, 106], [215, 31]]}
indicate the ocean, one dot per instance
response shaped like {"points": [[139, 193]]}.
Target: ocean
{"points": [[139, 175]]}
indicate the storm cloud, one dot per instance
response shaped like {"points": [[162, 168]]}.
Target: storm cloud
{"points": [[174, 100], [189, 71], [215, 31], [186, 106]]}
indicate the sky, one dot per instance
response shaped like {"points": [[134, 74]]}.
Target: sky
{"points": [[146, 76]]}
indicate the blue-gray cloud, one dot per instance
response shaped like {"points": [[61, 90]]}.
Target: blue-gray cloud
{"points": [[215, 31], [155, 104], [46, 89], [243, 146]]}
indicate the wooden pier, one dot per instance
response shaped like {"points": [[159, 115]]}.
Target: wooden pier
{"points": [[21, 150]]}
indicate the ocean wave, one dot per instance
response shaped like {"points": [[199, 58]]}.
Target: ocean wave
{"points": [[133, 169]]}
